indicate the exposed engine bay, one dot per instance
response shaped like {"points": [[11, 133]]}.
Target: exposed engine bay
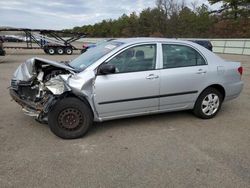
{"points": [[35, 89], [37, 83]]}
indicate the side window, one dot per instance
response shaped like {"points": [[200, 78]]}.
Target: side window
{"points": [[138, 58], [180, 56]]}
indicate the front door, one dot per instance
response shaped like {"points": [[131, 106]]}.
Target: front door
{"points": [[133, 88]]}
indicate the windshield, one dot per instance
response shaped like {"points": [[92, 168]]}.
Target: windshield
{"points": [[93, 54]]}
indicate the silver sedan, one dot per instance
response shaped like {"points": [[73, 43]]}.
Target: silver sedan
{"points": [[124, 78]]}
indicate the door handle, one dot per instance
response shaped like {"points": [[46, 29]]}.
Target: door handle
{"points": [[201, 71], [152, 76]]}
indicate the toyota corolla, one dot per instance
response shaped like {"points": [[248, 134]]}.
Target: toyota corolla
{"points": [[124, 78]]}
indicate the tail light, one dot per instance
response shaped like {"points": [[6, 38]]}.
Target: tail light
{"points": [[240, 70]]}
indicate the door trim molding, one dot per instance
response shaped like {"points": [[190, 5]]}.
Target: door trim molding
{"points": [[148, 97]]}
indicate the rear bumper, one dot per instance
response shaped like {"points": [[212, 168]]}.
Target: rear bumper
{"points": [[233, 90]]}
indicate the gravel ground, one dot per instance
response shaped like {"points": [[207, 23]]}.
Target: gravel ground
{"points": [[166, 150]]}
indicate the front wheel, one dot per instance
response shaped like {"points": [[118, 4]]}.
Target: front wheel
{"points": [[70, 118], [208, 103]]}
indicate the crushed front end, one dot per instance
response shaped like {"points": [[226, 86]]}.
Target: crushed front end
{"points": [[37, 84]]}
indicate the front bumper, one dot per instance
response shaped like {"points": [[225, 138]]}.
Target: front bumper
{"points": [[24, 103], [32, 108]]}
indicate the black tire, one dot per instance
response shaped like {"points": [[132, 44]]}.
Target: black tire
{"points": [[83, 50], [2, 52], [68, 51], [200, 107], [45, 51], [51, 51], [60, 51], [70, 118]]}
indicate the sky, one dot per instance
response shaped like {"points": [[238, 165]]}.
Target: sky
{"points": [[63, 14]]}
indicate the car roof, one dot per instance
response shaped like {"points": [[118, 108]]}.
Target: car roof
{"points": [[131, 41], [148, 39], [207, 53]]}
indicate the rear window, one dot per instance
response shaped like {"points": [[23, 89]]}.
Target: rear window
{"points": [[175, 56]]}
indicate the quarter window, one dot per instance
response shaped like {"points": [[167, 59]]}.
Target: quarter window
{"points": [[138, 58], [180, 56]]}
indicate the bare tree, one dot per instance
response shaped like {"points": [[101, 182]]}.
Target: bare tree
{"points": [[169, 7], [194, 5], [183, 4]]}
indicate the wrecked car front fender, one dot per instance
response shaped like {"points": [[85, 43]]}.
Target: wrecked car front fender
{"points": [[57, 85], [79, 86], [82, 86]]}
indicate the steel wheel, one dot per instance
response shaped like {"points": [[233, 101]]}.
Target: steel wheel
{"points": [[210, 104], [68, 51], [60, 51], [51, 51], [70, 119]]}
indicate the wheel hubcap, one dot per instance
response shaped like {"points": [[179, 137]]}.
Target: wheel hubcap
{"points": [[70, 119], [51, 51], [210, 104]]}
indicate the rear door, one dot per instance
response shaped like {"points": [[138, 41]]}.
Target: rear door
{"points": [[183, 75], [133, 88]]}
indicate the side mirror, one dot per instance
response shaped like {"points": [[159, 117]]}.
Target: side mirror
{"points": [[107, 69]]}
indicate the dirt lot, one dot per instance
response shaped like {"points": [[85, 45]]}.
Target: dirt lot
{"points": [[167, 150]]}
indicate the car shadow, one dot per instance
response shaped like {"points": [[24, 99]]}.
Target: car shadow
{"points": [[99, 127]]}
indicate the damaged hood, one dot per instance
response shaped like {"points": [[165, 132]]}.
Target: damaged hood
{"points": [[26, 71]]}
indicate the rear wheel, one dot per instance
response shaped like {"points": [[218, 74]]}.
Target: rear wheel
{"points": [[208, 103], [59, 51], [51, 51], [70, 118], [68, 51]]}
